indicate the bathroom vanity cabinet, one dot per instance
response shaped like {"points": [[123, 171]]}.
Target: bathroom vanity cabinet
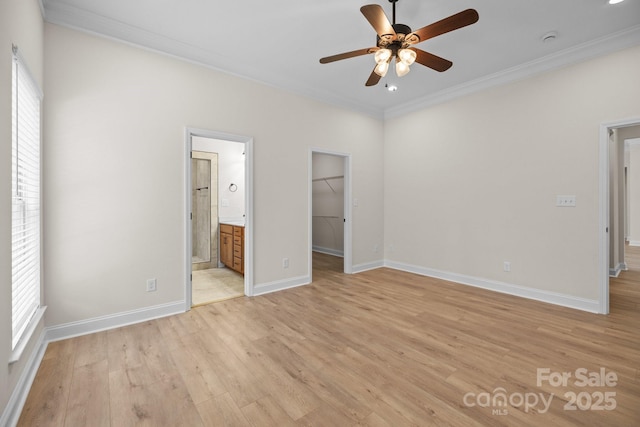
{"points": [[232, 246]]}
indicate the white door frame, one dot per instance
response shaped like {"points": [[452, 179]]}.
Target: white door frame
{"points": [[248, 229], [348, 244], [603, 197]]}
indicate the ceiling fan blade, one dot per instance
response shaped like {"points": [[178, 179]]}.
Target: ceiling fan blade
{"points": [[379, 21], [432, 61], [453, 22], [374, 78], [346, 55]]}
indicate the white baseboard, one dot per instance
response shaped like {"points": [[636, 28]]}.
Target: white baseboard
{"points": [[11, 414], [328, 251], [615, 272], [12, 411], [583, 304], [359, 268], [103, 323], [279, 285], [634, 243]]}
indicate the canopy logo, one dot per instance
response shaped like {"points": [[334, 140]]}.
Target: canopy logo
{"points": [[499, 401], [590, 397]]}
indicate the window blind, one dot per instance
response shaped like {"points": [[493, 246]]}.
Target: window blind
{"points": [[25, 194]]}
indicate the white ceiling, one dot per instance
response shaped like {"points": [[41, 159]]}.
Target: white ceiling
{"points": [[280, 43]]}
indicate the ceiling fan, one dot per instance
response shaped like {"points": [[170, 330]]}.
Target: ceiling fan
{"points": [[396, 40]]}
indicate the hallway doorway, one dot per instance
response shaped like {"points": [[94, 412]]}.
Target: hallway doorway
{"points": [[615, 203]]}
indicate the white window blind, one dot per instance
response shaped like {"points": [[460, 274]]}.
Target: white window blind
{"points": [[25, 195]]}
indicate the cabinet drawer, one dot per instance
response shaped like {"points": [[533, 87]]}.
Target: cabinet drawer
{"points": [[238, 231], [225, 228], [237, 264], [237, 241]]}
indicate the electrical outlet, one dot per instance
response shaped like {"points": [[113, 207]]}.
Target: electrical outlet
{"points": [[566, 201], [152, 285], [507, 266], [285, 262]]}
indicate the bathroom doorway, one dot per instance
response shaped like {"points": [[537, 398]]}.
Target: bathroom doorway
{"points": [[218, 205]]}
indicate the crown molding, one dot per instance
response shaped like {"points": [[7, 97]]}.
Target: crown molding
{"points": [[67, 16], [608, 44], [62, 14]]}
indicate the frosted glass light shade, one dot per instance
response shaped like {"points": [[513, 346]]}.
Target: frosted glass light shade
{"points": [[382, 55], [382, 68], [402, 69], [407, 56]]}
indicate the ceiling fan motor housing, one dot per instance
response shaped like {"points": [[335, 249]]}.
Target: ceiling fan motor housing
{"points": [[402, 31]]}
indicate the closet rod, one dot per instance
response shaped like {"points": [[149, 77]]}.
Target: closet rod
{"points": [[328, 177]]}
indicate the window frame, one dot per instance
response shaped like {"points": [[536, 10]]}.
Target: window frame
{"points": [[26, 205]]}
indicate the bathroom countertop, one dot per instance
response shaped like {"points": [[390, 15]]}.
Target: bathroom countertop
{"points": [[236, 223]]}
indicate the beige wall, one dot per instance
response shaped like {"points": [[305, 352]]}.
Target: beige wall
{"points": [[467, 184], [631, 135], [634, 194], [20, 24], [616, 202], [115, 118], [472, 183]]}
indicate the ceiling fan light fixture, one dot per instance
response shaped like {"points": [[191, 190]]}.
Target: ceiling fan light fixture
{"points": [[396, 40], [402, 68], [382, 68], [407, 56], [382, 55]]}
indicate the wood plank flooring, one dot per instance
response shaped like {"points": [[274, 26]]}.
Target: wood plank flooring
{"points": [[380, 348]]}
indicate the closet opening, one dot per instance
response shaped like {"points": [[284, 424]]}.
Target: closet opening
{"points": [[330, 211]]}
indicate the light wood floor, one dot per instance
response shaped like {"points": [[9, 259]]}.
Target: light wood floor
{"points": [[380, 348]]}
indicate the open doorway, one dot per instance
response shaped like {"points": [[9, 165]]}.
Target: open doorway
{"points": [[619, 209], [218, 204], [330, 210]]}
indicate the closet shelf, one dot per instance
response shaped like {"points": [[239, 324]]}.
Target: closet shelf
{"points": [[327, 178]]}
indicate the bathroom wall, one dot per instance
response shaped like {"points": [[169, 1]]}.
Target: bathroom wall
{"points": [[231, 176]]}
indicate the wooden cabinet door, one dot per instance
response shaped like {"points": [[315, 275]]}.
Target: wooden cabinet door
{"points": [[226, 249]]}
